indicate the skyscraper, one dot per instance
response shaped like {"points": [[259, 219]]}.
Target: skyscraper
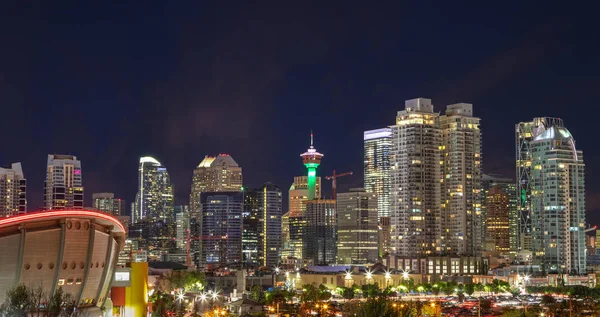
{"points": [[435, 177], [218, 173], [311, 159], [298, 196], [557, 201], [182, 226], [13, 189], [269, 225], [415, 180], [320, 232], [508, 186], [461, 187], [63, 187], [377, 146], [250, 215], [525, 133], [106, 202], [221, 228], [357, 227], [154, 200], [497, 209]]}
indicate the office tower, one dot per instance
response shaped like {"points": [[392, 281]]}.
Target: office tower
{"points": [[377, 146], [269, 225], [461, 187], [297, 198], [311, 159], [13, 189], [558, 201], [286, 249], [497, 209], [154, 199], [415, 180], [63, 187], [508, 186], [525, 133], [250, 232], [182, 226], [218, 173], [357, 229], [320, 232], [221, 229], [106, 202], [298, 195]]}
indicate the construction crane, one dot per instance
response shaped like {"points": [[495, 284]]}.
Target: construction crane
{"points": [[188, 241], [333, 179], [591, 229]]}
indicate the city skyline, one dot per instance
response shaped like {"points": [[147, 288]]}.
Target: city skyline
{"points": [[510, 76]]}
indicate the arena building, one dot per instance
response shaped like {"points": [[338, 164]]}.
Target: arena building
{"points": [[73, 249]]}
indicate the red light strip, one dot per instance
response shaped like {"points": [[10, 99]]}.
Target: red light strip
{"points": [[62, 213]]}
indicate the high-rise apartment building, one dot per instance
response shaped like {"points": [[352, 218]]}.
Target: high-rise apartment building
{"points": [[297, 198], [182, 226], [508, 186], [435, 177], [415, 175], [357, 229], [320, 233], [63, 187], [525, 134], [557, 201], [251, 215], [497, 209], [106, 202], [221, 228], [269, 225], [377, 146], [154, 199], [13, 189], [462, 221], [219, 173]]}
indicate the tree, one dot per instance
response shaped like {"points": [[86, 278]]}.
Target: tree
{"points": [[18, 302], [347, 293], [469, 289], [257, 294]]}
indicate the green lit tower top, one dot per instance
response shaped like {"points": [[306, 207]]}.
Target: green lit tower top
{"points": [[311, 159]]}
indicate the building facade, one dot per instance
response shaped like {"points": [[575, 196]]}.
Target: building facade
{"points": [[106, 202], [320, 232], [498, 219], [357, 229], [509, 187], [415, 192], [525, 134], [182, 226], [13, 191], [222, 227], [558, 202], [435, 177], [154, 199], [63, 187], [269, 225], [297, 198], [74, 249], [462, 220], [219, 173], [377, 146], [250, 235]]}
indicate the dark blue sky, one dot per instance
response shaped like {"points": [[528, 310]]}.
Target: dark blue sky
{"points": [[114, 82]]}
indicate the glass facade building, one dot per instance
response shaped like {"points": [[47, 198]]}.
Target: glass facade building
{"points": [[320, 232], [558, 202], [357, 229]]}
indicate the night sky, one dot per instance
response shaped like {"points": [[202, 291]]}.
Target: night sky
{"points": [[115, 82]]}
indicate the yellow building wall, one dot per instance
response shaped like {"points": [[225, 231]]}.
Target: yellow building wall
{"points": [[136, 296]]}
